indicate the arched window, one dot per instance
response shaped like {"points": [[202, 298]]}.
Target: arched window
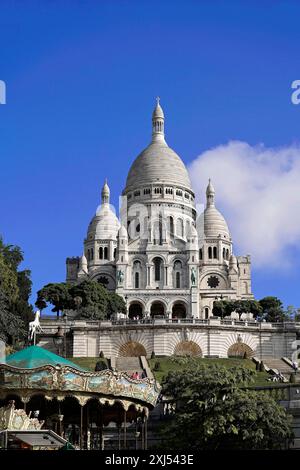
{"points": [[206, 310], [187, 227], [179, 228], [88, 255], [215, 252], [178, 280], [105, 252], [227, 254], [137, 280], [200, 254], [157, 269], [171, 225], [115, 252], [209, 252], [101, 252], [224, 253], [92, 253]]}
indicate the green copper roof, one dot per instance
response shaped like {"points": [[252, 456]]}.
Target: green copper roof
{"points": [[35, 356]]}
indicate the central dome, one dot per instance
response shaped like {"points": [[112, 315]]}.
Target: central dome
{"points": [[158, 163]]}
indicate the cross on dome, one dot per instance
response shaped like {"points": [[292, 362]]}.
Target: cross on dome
{"points": [[158, 119]]}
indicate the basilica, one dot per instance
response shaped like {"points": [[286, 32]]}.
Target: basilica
{"points": [[165, 259]]}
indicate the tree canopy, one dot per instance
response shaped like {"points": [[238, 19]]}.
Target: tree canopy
{"points": [[90, 298], [272, 309], [15, 290], [223, 308], [214, 410]]}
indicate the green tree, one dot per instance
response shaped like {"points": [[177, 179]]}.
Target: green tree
{"points": [[12, 327], [223, 308], [8, 281], [94, 299], [212, 411], [90, 298], [272, 309], [15, 290], [56, 294], [116, 304]]}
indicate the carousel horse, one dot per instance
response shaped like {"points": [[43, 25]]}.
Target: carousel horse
{"points": [[34, 326]]}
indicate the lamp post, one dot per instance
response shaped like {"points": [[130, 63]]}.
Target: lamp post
{"points": [[126, 298], [58, 340]]}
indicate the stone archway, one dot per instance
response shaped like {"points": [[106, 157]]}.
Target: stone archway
{"points": [[187, 348], [240, 350], [135, 310], [179, 310], [132, 349], [157, 309]]}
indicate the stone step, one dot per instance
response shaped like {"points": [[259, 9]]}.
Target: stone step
{"points": [[280, 366], [129, 364]]}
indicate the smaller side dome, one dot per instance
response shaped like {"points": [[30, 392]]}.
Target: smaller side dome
{"points": [[105, 224], [214, 223]]}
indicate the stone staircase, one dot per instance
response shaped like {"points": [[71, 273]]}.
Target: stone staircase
{"points": [[129, 364], [280, 366]]}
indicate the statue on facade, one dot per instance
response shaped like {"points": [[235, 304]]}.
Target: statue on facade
{"points": [[193, 276], [120, 276]]}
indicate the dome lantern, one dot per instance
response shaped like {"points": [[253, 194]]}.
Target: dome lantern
{"points": [[210, 194], [105, 193], [158, 123]]}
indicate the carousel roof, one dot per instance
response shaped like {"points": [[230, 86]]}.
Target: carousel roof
{"points": [[36, 370], [35, 356]]}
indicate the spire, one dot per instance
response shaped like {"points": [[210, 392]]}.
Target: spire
{"points": [[83, 263], [210, 194], [158, 120], [105, 193]]}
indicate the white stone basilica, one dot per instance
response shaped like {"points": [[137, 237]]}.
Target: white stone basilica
{"points": [[161, 256]]}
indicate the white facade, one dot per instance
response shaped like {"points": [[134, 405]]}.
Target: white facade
{"points": [[160, 255]]}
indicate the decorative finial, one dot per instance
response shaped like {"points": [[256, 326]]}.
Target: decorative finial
{"points": [[210, 194], [158, 122], [105, 193]]}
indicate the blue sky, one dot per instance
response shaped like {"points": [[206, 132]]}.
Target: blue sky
{"points": [[81, 80]]}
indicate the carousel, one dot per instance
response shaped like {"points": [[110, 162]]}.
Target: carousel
{"points": [[91, 410]]}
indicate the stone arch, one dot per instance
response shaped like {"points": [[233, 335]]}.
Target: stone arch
{"points": [[206, 311], [187, 348], [240, 350], [132, 349], [136, 309], [100, 276], [179, 309], [158, 308]]}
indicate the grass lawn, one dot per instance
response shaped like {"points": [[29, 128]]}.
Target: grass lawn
{"points": [[167, 364], [88, 363]]}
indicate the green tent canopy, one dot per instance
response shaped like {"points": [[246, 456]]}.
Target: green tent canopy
{"points": [[35, 356]]}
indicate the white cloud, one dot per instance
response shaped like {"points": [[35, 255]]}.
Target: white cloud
{"points": [[258, 192]]}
